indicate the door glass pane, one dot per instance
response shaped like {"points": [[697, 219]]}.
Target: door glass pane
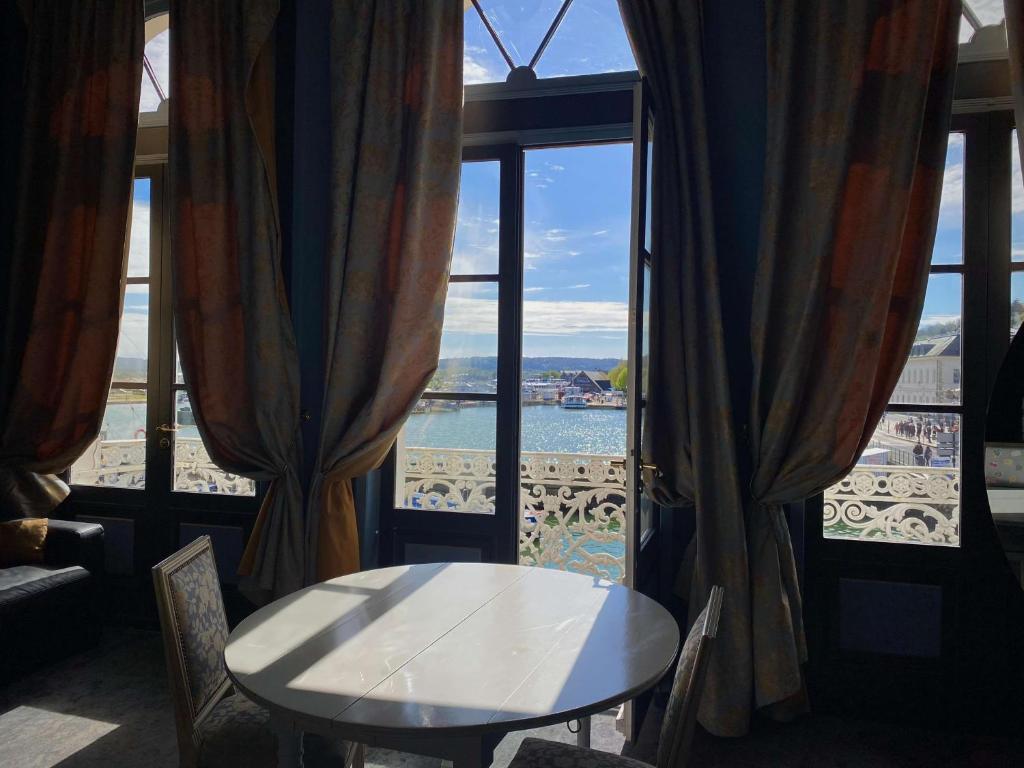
{"points": [[645, 338], [1016, 302], [138, 242], [1017, 205], [469, 341], [906, 485], [476, 234], [194, 471], [132, 358], [591, 39], [575, 349], [117, 458], [949, 233], [445, 457], [932, 373]]}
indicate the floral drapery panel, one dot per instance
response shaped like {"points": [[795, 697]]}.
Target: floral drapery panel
{"points": [[688, 429], [396, 105], [232, 322], [859, 104], [65, 249]]}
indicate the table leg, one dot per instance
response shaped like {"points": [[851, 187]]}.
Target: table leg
{"points": [[472, 753], [289, 744], [583, 734]]}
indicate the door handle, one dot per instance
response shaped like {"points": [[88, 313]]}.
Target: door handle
{"points": [[166, 428]]}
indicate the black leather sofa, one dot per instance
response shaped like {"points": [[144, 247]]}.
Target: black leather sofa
{"points": [[51, 610]]}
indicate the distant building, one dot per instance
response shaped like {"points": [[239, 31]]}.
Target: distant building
{"points": [[592, 382], [932, 373]]}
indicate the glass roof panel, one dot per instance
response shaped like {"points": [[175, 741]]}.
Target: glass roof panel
{"points": [[481, 61], [521, 24], [158, 56], [988, 11], [591, 39]]}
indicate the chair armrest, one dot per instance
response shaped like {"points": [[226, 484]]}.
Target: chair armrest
{"points": [[69, 542]]}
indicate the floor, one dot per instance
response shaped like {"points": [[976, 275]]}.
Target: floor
{"points": [[110, 707]]}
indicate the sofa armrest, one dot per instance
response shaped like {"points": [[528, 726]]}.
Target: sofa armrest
{"points": [[69, 542]]}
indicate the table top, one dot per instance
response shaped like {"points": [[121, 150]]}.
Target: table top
{"points": [[463, 648]]}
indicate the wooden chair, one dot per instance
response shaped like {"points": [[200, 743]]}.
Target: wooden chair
{"points": [[680, 714], [216, 726]]}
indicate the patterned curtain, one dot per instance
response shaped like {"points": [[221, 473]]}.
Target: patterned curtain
{"points": [[396, 96], [1014, 10], [688, 428], [860, 99], [233, 327], [63, 247]]}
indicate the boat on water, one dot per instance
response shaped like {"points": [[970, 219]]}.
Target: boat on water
{"points": [[572, 397]]}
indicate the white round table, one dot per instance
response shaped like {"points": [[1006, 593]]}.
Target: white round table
{"points": [[445, 659]]}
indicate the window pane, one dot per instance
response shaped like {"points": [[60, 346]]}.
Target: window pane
{"points": [[158, 54], [481, 60], [645, 338], [469, 340], [932, 374], [1017, 209], [949, 234], [1016, 301], [575, 350], [132, 357], [445, 457], [521, 25], [117, 458], [476, 235], [194, 472], [906, 485], [138, 243], [591, 39]]}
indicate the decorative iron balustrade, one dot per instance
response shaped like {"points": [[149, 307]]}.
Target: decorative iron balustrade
{"points": [[904, 504], [122, 464], [573, 506]]}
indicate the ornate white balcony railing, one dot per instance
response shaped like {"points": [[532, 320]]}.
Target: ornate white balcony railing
{"points": [[573, 506], [122, 464], [903, 504]]}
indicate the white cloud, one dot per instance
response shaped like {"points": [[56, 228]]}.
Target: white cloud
{"points": [[138, 242], [952, 203], [474, 70], [600, 232], [579, 285], [533, 290], [546, 318]]}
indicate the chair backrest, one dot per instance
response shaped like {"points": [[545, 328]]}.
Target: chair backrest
{"points": [[688, 685], [195, 630]]}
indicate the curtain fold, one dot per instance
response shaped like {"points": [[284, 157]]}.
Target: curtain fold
{"points": [[396, 106], [1014, 11], [64, 239], [232, 321], [688, 425], [860, 100]]}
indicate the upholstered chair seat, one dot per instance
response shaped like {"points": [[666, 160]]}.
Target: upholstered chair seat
{"points": [[680, 714]]}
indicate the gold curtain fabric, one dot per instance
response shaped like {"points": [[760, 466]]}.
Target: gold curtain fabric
{"points": [[396, 106], [860, 99], [65, 254], [688, 429], [232, 321], [858, 107]]}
